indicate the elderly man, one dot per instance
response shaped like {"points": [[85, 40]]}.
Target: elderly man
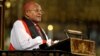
{"points": [[26, 34]]}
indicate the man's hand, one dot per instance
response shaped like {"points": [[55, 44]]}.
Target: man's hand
{"points": [[56, 41], [50, 42]]}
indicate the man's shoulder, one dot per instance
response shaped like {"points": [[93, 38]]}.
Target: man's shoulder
{"points": [[18, 22]]}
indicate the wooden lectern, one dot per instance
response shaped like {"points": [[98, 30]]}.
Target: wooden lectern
{"points": [[75, 46]]}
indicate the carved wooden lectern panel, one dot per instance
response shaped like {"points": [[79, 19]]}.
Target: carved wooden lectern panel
{"points": [[82, 46]]}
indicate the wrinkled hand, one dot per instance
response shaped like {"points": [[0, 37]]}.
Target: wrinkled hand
{"points": [[56, 41], [50, 42]]}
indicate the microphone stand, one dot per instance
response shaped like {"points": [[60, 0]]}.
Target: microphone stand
{"points": [[66, 34]]}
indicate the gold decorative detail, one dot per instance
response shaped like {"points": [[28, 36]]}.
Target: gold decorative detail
{"points": [[82, 47]]}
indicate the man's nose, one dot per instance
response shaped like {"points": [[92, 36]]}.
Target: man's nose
{"points": [[40, 12]]}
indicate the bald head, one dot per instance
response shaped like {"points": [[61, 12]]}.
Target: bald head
{"points": [[29, 4]]}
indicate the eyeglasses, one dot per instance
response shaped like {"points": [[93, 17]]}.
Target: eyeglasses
{"points": [[38, 11]]}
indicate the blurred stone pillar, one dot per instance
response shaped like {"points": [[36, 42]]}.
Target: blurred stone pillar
{"points": [[2, 24]]}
